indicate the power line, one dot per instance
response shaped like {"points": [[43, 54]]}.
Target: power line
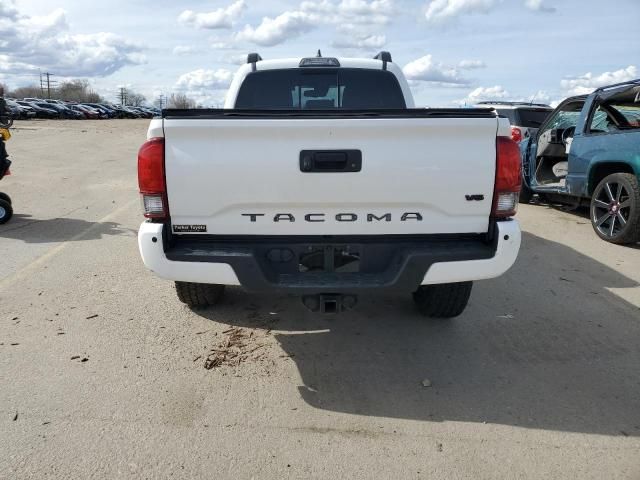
{"points": [[162, 101], [123, 96], [45, 79]]}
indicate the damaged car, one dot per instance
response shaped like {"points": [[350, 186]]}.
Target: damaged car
{"points": [[587, 152]]}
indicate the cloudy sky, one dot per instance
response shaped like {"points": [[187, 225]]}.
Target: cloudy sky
{"points": [[453, 51]]}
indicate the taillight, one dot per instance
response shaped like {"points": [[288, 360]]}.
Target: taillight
{"points": [[508, 178], [516, 134], [151, 179]]}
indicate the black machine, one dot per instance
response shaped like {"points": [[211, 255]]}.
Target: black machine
{"points": [[6, 210]]}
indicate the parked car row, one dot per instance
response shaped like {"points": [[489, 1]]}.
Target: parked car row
{"points": [[47, 108]]}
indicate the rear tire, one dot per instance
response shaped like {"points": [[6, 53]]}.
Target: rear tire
{"points": [[6, 211], [5, 197], [446, 300], [199, 294], [615, 209]]}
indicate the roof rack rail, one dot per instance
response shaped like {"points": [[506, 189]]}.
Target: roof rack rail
{"points": [[253, 58], [621, 84], [524, 104], [385, 57]]}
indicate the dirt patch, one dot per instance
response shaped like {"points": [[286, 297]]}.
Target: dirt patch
{"points": [[238, 345]]}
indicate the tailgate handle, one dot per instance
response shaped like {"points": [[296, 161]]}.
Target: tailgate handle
{"points": [[327, 161]]}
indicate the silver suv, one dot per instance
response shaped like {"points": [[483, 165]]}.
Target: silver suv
{"points": [[525, 118]]}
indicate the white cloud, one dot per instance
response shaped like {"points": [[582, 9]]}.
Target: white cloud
{"points": [[220, 18], [541, 96], [206, 87], [366, 41], [184, 50], [471, 64], [273, 31], [218, 44], [8, 10], [443, 11], [44, 42], [424, 69], [361, 12], [588, 82], [439, 11], [538, 6], [235, 59], [483, 94], [355, 17], [499, 93], [204, 80]]}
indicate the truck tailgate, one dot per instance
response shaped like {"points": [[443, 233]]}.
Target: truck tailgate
{"points": [[242, 176]]}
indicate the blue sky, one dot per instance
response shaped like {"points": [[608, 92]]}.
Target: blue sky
{"points": [[453, 51]]}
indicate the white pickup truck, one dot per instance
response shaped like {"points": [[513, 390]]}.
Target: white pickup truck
{"points": [[321, 178]]}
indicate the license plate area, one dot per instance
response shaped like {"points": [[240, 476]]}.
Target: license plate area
{"points": [[330, 259]]}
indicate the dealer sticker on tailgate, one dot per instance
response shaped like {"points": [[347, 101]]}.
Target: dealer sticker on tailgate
{"points": [[189, 228]]}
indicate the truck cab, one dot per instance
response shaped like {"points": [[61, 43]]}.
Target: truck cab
{"points": [[587, 152]]}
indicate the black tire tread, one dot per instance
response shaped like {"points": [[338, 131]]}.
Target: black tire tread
{"points": [[199, 294], [632, 233], [447, 300], [8, 211]]}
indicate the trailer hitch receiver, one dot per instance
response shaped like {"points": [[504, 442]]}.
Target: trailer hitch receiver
{"points": [[329, 303]]}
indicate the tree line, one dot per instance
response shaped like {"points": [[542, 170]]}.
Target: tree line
{"points": [[76, 90], [80, 91]]}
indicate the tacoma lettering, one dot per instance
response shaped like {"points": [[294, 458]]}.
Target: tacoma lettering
{"points": [[371, 217], [340, 217], [284, 216], [314, 217], [411, 215], [346, 217], [253, 215]]}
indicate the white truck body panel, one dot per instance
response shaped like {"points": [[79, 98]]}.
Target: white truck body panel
{"points": [[219, 170]]}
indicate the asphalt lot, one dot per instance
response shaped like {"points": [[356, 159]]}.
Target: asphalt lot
{"points": [[538, 379]]}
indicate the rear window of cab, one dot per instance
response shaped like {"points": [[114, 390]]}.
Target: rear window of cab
{"points": [[320, 89]]}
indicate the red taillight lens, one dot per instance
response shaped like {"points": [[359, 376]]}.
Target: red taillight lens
{"points": [[508, 178], [151, 178], [516, 134]]}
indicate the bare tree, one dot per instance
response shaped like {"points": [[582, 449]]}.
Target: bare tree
{"points": [[71, 90], [180, 100], [77, 91], [136, 99], [23, 92]]}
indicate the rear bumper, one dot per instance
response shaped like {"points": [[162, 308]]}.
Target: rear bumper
{"points": [[272, 264]]}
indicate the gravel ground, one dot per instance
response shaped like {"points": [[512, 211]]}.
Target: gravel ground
{"points": [[102, 370]]}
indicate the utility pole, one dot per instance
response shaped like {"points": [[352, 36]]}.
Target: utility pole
{"points": [[45, 79], [123, 96]]}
